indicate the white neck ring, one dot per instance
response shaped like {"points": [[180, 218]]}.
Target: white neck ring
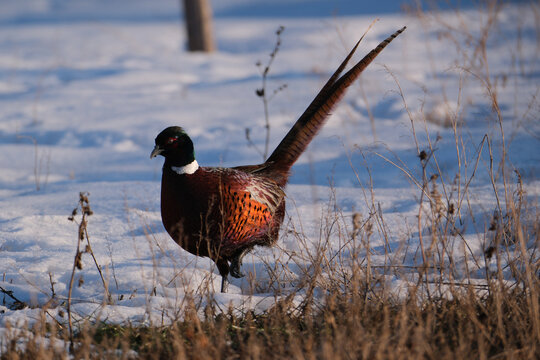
{"points": [[186, 169]]}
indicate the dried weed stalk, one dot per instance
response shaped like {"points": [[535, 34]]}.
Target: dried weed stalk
{"points": [[262, 93], [86, 211]]}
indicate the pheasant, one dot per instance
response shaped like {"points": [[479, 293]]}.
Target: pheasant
{"points": [[222, 213]]}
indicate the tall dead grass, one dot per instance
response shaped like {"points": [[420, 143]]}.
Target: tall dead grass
{"points": [[347, 324]]}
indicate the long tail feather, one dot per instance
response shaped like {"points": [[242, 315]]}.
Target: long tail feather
{"points": [[314, 117]]}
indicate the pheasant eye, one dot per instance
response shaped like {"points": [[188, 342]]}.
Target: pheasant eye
{"points": [[171, 140]]}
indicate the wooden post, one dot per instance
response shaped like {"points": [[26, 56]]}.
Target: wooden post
{"points": [[198, 18]]}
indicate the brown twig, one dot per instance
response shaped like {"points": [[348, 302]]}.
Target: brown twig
{"points": [[263, 94], [84, 206], [18, 304]]}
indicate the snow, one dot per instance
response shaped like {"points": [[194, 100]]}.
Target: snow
{"points": [[86, 86]]}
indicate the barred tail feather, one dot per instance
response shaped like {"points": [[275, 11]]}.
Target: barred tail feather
{"points": [[314, 117]]}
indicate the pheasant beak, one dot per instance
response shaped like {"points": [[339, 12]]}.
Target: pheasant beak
{"points": [[157, 150]]}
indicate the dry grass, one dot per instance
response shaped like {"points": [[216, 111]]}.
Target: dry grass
{"points": [[348, 324]]}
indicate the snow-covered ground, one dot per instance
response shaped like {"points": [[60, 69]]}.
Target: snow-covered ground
{"points": [[86, 86]]}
